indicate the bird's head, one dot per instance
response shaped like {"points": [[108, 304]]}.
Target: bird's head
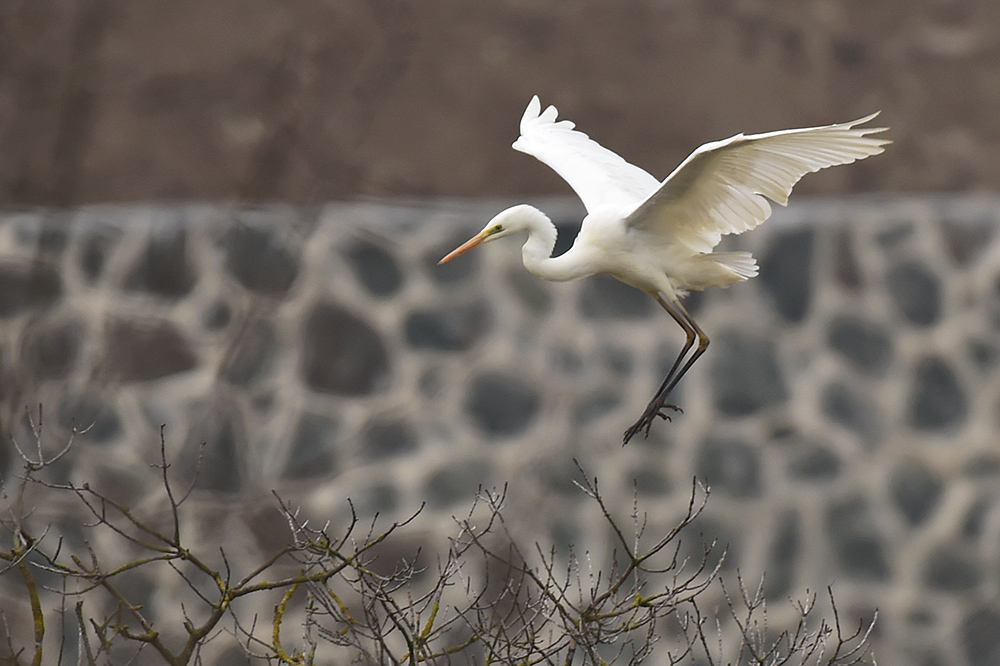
{"points": [[510, 221]]}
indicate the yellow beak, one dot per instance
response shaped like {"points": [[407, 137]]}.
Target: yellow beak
{"points": [[466, 246]]}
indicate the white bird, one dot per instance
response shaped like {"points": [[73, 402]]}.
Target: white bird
{"points": [[659, 236]]}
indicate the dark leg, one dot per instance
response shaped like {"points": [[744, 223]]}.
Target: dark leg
{"points": [[689, 331], [658, 405]]}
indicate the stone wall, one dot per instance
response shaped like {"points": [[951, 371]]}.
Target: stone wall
{"points": [[845, 414]]}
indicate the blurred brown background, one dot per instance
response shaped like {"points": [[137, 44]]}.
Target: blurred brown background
{"points": [[310, 100]]}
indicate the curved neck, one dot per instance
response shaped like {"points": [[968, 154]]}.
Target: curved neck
{"points": [[537, 251], [541, 241]]}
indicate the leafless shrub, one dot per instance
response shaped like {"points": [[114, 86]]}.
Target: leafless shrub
{"points": [[485, 600]]}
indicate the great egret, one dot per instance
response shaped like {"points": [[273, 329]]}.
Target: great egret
{"points": [[659, 236]]}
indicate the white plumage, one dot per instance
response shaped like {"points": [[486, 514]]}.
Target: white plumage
{"points": [[659, 236]]}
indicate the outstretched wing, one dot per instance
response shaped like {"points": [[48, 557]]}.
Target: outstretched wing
{"points": [[720, 188], [599, 177]]}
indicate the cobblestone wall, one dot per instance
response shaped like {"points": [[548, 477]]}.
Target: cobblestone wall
{"points": [[845, 415]]}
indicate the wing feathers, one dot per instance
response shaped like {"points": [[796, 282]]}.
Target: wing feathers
{"points": [[599, 177], [720, 188], [723, 187]]}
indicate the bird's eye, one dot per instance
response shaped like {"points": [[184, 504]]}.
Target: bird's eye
{"points": [[497, 229]]}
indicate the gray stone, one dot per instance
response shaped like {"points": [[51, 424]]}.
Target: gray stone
{"points": [[993, 305], [982, 466], [342, 354], [251, 353], [313, 451], [97, 246], [269, 527], [782, 556], [264, 402], [385, 439], [49, 349], [895, 235], [501, 405], [564, 537], [983, 354], [916, 490], [259, 260], [949, 569], [712, 541], [431, 382], [530, 290], [617, 360], [929, 659], [595, 405], [856, 541], [87, 411], [648, 481], [965, 239], [916, 292], [458, 480], [922, 618], [163, 268], [846, 268], [49, 235], [233, 655], [146, 350], [565, 360], [851, 410], [375, 268], [28, 286], [450, 328], [744, 374], [783, 433], [604, 297], [559, 474], [815, 463], [936, 400], [786, 272], [123, 485], [865, 345], [404, 550], [378, 498], [216, 316], [981, 637], [212, 449], [974, 522], [729, 467]]}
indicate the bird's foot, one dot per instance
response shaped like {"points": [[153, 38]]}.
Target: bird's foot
{"points": [[645, 422]]}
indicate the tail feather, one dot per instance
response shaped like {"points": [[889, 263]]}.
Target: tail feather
{"points": [[742, 264]]}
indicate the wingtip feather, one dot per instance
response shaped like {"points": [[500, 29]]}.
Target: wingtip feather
{"points": [[861, 121], [869, 117], [531, 112]]}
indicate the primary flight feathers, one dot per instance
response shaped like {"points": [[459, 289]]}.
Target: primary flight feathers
{"points": [[719, 189]]}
